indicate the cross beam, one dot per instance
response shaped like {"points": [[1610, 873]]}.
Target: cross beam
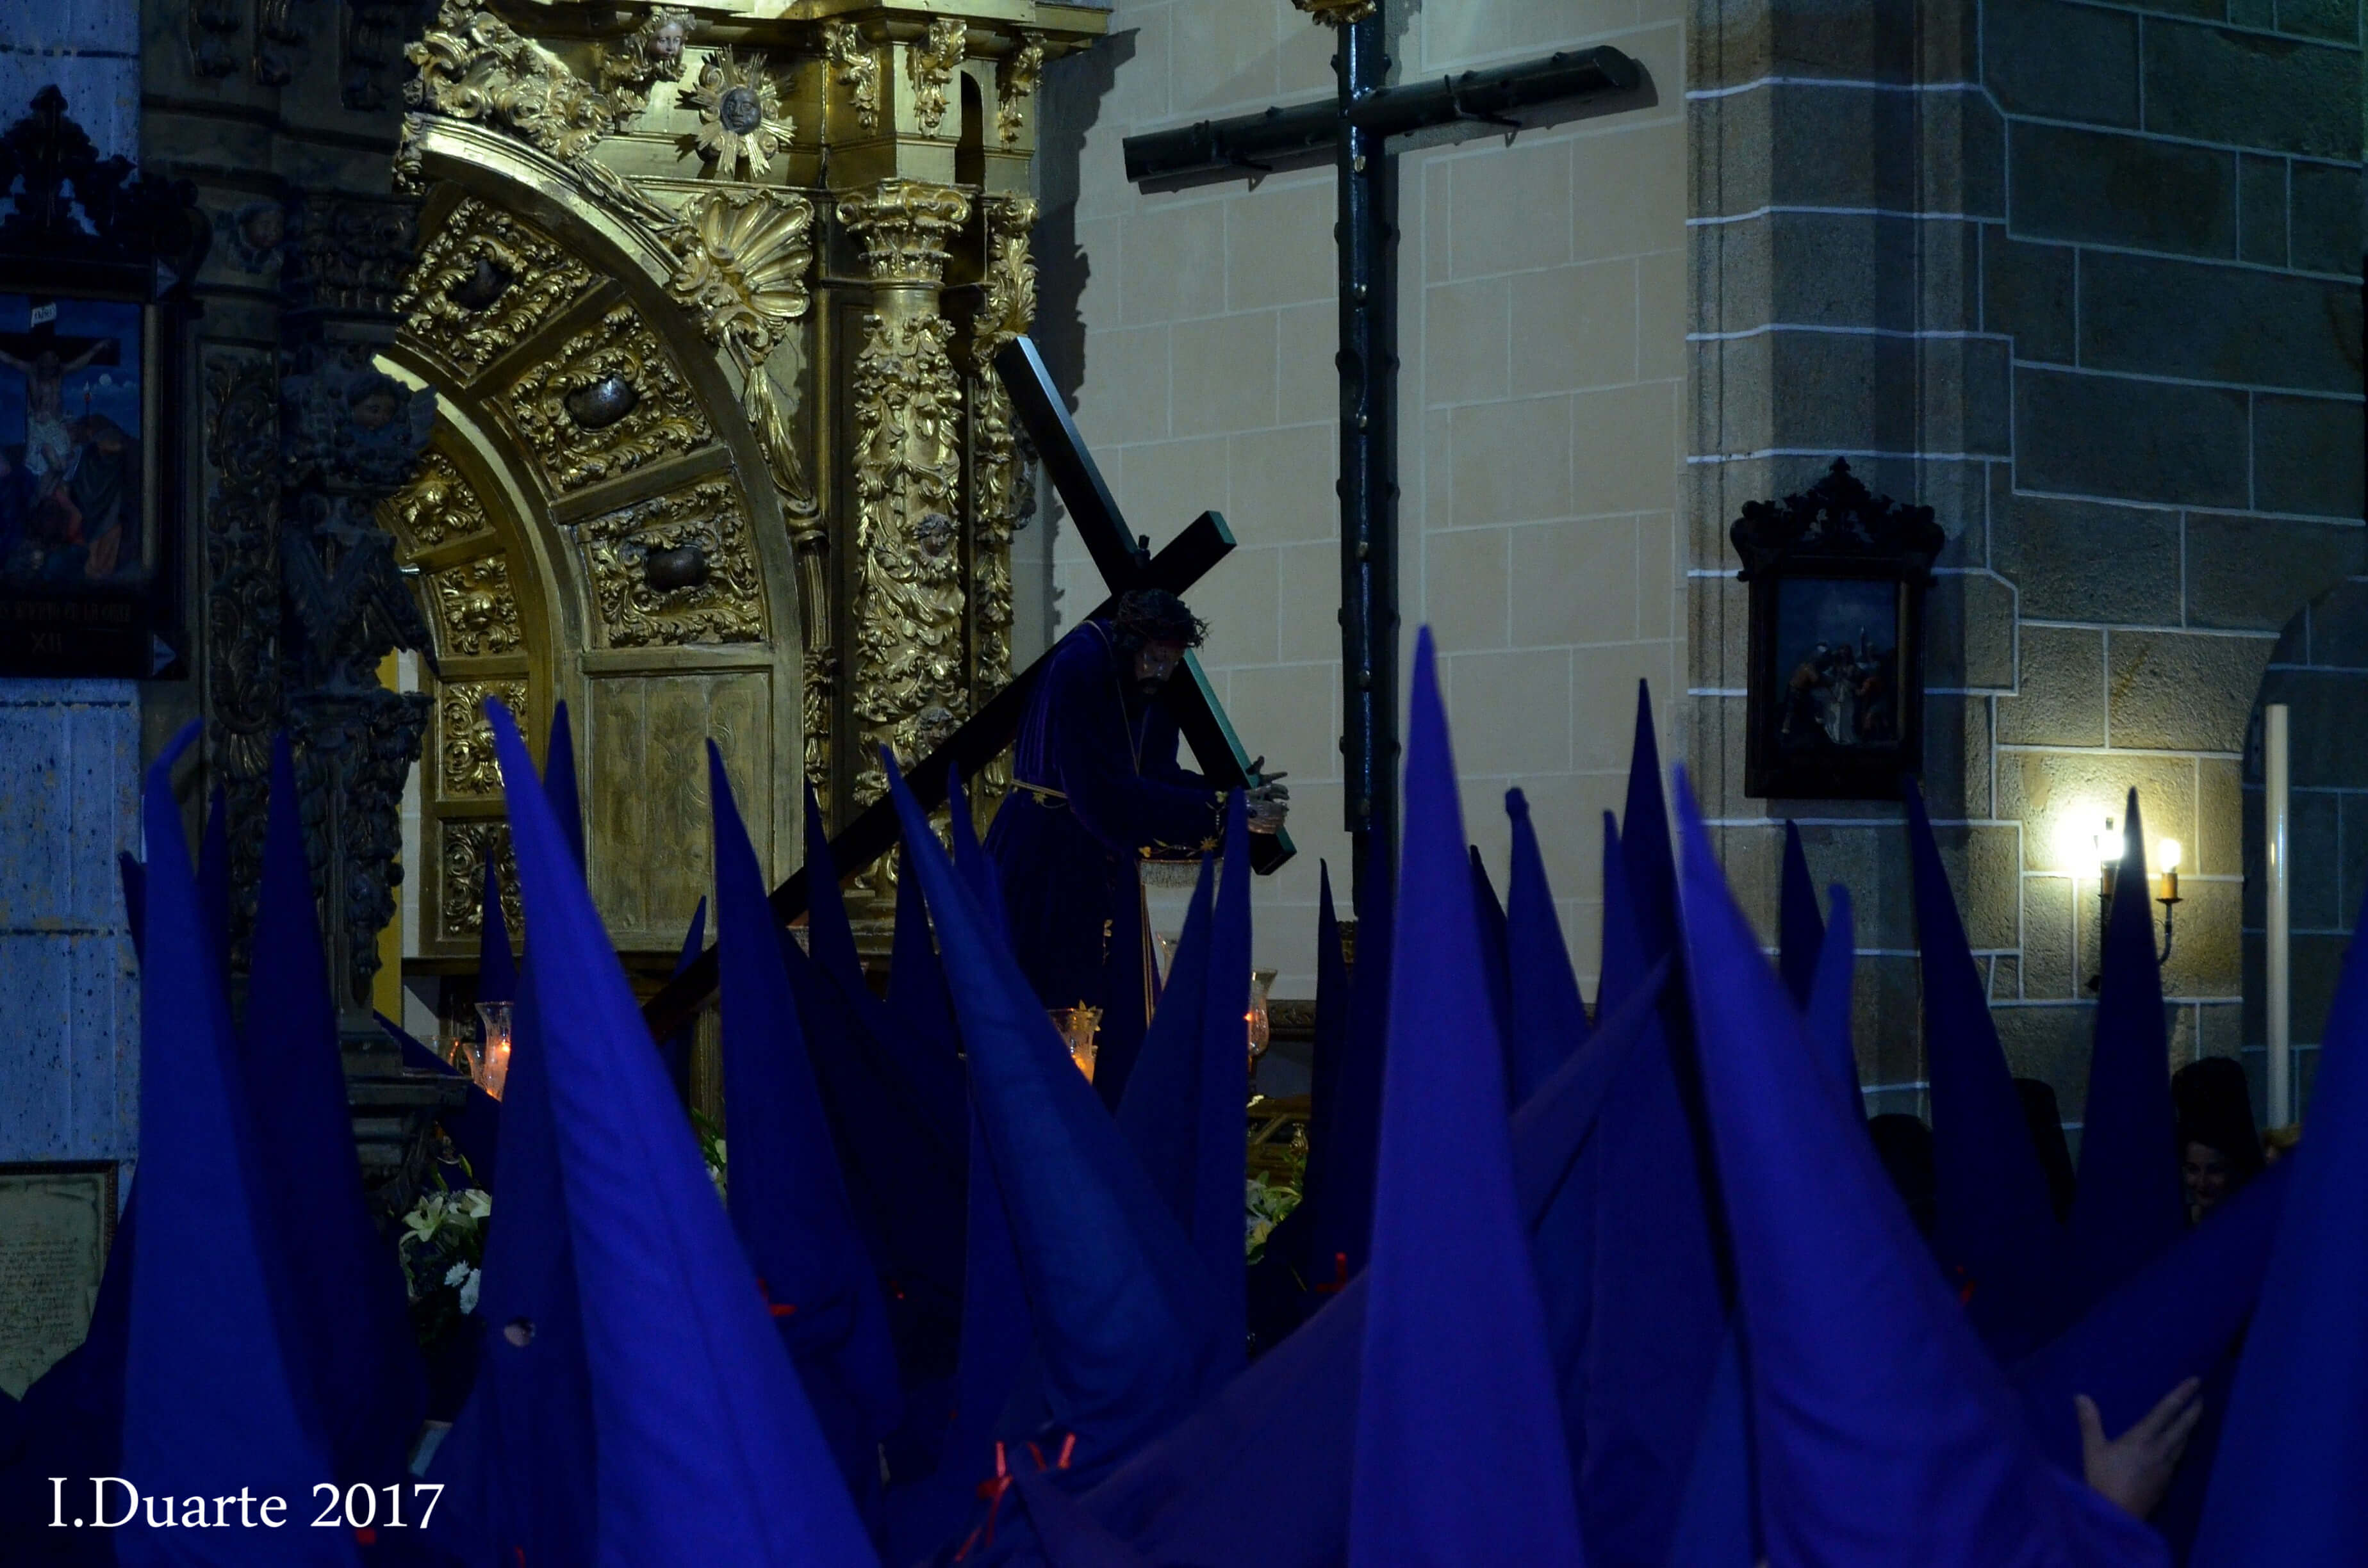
{"points": [[1355, 130], [1125, 562]]}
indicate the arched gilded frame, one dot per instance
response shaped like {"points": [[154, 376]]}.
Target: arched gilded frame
{"points": [[594, 522]]}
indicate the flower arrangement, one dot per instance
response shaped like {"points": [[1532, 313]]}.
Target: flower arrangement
{"points": [[1266, 1203], [443, 1252], [711, 1148]]}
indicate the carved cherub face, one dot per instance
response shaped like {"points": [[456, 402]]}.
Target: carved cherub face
{"points": [[934, 533], [372, 409], [667, 40]]}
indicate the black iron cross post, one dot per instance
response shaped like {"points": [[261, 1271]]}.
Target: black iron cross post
{"points": [[1355, 131], [1125, 562]]}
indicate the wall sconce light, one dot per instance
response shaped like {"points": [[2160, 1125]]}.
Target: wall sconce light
{"points": [[2107, 845]]}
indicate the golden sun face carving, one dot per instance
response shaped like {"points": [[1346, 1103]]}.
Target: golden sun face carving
{"points": [[740, 125]]}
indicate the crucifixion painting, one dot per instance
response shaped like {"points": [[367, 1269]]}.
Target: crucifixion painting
{"points": [[71, 425]]}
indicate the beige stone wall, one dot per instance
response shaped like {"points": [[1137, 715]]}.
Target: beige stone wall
{"points": [[1541, 334]]}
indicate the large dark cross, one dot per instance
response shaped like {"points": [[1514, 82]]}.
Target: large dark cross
{"points": [[1355, 131], [1125, 562]]}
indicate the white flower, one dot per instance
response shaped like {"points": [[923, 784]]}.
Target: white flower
{"points": [[457, 1273], [469, 1289], [475, 1202]]}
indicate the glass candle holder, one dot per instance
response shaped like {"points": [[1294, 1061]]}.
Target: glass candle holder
{"points": [[489, 1059], [1079, 1027], [1260, 1023]]}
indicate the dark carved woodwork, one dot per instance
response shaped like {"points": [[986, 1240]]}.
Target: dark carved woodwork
{"points": [[76, 209], [1835, 537]]}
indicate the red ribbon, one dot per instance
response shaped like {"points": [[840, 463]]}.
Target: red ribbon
{"points": [[992, 1490]]}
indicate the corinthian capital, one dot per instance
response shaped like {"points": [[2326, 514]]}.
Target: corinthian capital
{"points": [[905, 225]]}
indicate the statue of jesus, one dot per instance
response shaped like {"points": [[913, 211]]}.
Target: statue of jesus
{"points": [[1097, 791]]}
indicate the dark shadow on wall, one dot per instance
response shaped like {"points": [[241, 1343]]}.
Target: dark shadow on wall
{"points": [[1070, 102]]}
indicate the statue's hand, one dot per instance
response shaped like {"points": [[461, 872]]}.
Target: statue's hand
{"points": [[1268, 805]]}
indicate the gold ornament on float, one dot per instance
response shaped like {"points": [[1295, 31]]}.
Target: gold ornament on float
{"points": [[740, 125]]}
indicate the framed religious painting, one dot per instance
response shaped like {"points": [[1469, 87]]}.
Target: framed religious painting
{"points": [[1838, 577], [94, 272], [57, 1223]]}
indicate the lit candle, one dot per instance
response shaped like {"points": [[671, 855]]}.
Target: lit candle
{"points": [[2168, 853]]}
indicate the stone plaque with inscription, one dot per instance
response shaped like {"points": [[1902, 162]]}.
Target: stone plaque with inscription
{"points": [[56, 1222]]}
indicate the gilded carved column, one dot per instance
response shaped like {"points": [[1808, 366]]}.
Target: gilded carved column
{"points": [[905, 659], [1002, 489]]}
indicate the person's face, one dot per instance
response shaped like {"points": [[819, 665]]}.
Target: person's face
{"points": [[2205, 1171], [374, 411], [1154, 663]]}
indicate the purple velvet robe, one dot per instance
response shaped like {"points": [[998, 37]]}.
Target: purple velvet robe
{"points": [[1108, 791]]}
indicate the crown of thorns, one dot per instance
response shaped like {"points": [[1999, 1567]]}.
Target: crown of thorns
{"points": [[1155, 615]]}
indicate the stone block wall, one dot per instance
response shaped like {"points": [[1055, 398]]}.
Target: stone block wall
{"points": [[2085, 280], [70, 1071], [70, 750]]}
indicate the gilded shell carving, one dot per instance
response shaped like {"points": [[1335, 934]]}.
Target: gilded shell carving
{"points": [[475, 611], [461, 858], [465, 741], [665, 417], [436, 506], [742, 256], [642, 578], [484, 282]]}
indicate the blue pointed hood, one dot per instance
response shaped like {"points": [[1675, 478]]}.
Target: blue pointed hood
{"points": [[134, 876], [559, 783], [916, 980], [1493, 962], [1645, 841], [708, 1451], [830, 937], [1547, 1017], [970, 858], [1261, 1474], [1159, 1111], [213, 877], [1883, 1434], [1996, 1233], [1341, 1231], [2285, 1488], [1459, 1454], [213, 1400], [349, 1327], [1126, 1325], [788, 1202], [1183, 1103], [1828, 1002], [1323, 1069], [2129, 1204], [496, 965], [2175, 1318], [1653, 1345], [519, 1465], [1800, 929], [676, 1048]]}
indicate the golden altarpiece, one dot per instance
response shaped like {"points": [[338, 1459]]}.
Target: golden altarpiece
{"points": [[706, 299]]}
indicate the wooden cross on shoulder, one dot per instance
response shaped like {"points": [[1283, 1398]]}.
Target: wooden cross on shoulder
{"points": [[1125, 562]]}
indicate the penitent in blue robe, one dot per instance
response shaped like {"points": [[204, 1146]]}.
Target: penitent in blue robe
{"points": [[1098, 791]]}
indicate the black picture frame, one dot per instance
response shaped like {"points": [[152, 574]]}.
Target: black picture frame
{"points": [[94, 321], [1838, 577]]}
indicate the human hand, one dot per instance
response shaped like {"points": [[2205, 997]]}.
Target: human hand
{"points": [[2134, 1470]]}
